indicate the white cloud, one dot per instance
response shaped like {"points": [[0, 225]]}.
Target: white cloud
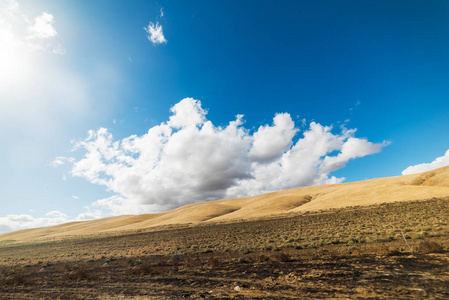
{"points": [[188, 159], [351, 149], [439, 162], [42, 27], [57, 214], [24, 221], [61, 160], [17, 31], [89, 215], [270, 142], [186, 113], [155, 34]]}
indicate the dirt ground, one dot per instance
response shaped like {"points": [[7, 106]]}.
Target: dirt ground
{"points": [[252, 276], [214, 263]]}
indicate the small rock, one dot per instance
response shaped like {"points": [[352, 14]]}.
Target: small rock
{"points": [[237, 289]]}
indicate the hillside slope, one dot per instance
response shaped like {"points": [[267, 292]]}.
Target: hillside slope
{"points": [[421, 186]]}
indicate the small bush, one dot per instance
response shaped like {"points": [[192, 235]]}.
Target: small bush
{"points": [[15, 277], [78, 272], [430, 247], [282, 257], [141, 269], [393, 252], [214, 262], [263, 257]]}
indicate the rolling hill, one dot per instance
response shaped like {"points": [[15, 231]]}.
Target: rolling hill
{"points": [[420, 186]]}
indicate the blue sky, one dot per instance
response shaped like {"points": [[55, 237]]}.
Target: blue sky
{"points": [[320, 68]]}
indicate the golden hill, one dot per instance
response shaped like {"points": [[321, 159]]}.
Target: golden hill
{"points": [[421, 186]]}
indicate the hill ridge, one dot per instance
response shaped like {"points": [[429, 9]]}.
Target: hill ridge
{"points": [[421, 186]]}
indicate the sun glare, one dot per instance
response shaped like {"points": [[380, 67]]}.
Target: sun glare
{"points": [[15, 59]]}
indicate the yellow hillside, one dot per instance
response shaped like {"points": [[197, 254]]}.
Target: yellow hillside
{"points": [[401, 188]]}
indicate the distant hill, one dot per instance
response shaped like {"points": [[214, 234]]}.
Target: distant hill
{"points": [[420, 186]]}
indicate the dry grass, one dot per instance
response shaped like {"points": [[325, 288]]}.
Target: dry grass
{"points": [[274, 255]]}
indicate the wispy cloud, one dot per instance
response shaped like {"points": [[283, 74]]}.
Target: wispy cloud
{"points": [[439, 162], [155, 34], [59, 50], [25, 221], [61, 160], [188, 159]]}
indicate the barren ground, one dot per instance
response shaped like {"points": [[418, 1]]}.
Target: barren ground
{"points": [[357, 252]]}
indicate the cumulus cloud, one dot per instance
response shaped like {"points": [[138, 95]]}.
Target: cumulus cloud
{"points": [[439, 162], [42, 27], [24, 221], [188, 159], [271, 141], [17, 31], [155, 34]]}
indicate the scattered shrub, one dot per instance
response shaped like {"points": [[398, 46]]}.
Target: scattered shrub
{"points": [[430, 247]]}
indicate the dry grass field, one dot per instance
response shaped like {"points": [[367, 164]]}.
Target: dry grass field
{"points": [[356, 252]]}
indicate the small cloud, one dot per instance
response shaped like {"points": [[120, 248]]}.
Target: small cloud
{"points": [[439, 162], [59, 50], [162, 13], [56, 213], [356, 104], [42, 27], [155, 34], [75, 197], [61, 160]]}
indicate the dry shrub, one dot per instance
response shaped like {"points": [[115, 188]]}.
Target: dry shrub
{"points": [[386, 250], [263, 257], [176, 259], [282, 257], [392, 251], [430, 247], [13, 277], [159, 270], [214, 262], [78, 272], [243, 260], [141, 269], [124, 263]]}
